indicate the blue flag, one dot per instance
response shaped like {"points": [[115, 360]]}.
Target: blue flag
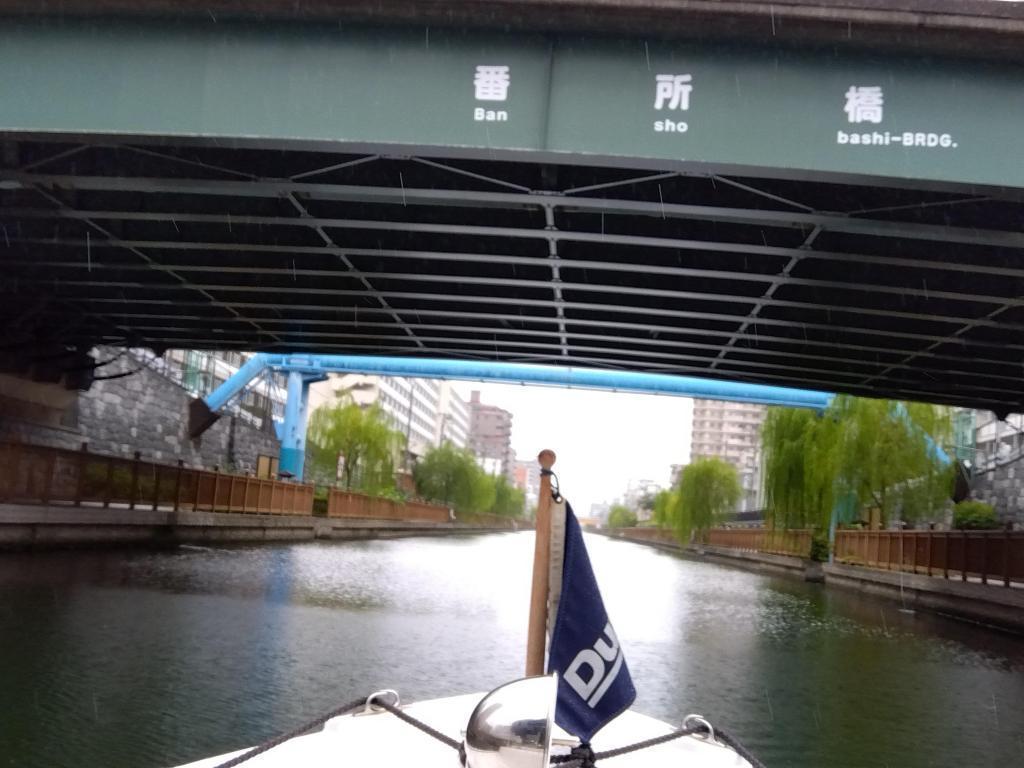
{"points": [[594, 685]]}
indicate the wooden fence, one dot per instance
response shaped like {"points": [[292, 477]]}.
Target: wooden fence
{"points": [[34, 474], [347, 504], [796, 542], [31, 474], [986, 555]]}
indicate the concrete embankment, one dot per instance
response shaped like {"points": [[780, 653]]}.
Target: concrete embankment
{"points": [[990, 604], [30, 527]]}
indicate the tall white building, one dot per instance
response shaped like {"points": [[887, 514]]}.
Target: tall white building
{"points": [[453, 417], [426, 411], [731, 431]]}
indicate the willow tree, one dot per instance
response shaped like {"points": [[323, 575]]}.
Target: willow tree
{"points": [[451, 476], [889, 455], [861, 453], [661, 513], [509, 501], [709, 489], [360, 441], [800, 467]]}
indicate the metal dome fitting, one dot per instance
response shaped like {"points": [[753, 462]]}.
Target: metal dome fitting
{"points": [[512, 725]]}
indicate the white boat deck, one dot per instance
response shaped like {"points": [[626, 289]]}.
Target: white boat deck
{"points": [[381, 739]]}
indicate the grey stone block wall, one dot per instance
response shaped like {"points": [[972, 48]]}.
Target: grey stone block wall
{"points": [[147, 412], [1003, 488]]}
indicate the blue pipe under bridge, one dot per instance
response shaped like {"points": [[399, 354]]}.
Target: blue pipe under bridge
{"points": [[303, 370]]}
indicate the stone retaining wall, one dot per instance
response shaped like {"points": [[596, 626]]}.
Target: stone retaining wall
{"points": [[1003, 488], [146, 412], [31, 527]]}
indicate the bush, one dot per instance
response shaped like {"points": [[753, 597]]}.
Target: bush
{"points": [[974, 516], [392, 494], [620, 516], [819, 548]]}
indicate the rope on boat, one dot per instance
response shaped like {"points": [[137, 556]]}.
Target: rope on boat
{"points": [[584, 757], [727, 737], [278, 740], [433, 732], [580, 757]]}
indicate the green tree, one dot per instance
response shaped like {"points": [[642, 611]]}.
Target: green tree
{"points": [[862, 453], [509, 501], [661, 511], [451, 476], [709, 488], [363, 438], [621, 516], [800, 466]]}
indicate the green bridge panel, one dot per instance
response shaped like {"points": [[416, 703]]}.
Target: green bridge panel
{"points": [[761, 109]]}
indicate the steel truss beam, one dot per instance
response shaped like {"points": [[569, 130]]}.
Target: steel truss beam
{"points": [[351, 270], [297, 336], [681, 351], [529, 261], [767, 296], [537, 303], [63, 207], [909, 393], [654, 330], [667, 293], [736, 251], [275, 188], [1001, 302]]}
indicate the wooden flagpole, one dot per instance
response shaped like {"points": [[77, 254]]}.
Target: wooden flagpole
{"points": [[536, 638]]}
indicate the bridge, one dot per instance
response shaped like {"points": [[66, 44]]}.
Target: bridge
{"points": [[821, 196]]}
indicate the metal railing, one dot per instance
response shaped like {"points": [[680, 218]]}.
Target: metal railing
{"points": [[988, 556], [32, 474]]}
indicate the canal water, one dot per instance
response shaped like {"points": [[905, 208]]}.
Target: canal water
{"points": [[155, 658]]}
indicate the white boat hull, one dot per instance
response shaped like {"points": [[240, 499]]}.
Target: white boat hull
{"points": [[380, 738]]}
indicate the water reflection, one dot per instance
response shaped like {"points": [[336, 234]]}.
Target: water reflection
{"points": [[149, 658]]}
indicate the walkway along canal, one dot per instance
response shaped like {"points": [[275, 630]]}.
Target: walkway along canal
{"points": [[145, 658]]}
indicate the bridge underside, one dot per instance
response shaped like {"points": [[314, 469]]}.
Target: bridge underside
{"points": [[826, 284]]}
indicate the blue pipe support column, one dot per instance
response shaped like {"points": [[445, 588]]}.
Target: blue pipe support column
{"points": [[293, 442], [238, 381], [302, 369]]}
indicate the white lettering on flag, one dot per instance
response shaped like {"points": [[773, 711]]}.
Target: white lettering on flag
{"points": [[593, 689]]}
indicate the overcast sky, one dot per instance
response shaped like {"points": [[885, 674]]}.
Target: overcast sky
{"points": [[603, 439]]}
